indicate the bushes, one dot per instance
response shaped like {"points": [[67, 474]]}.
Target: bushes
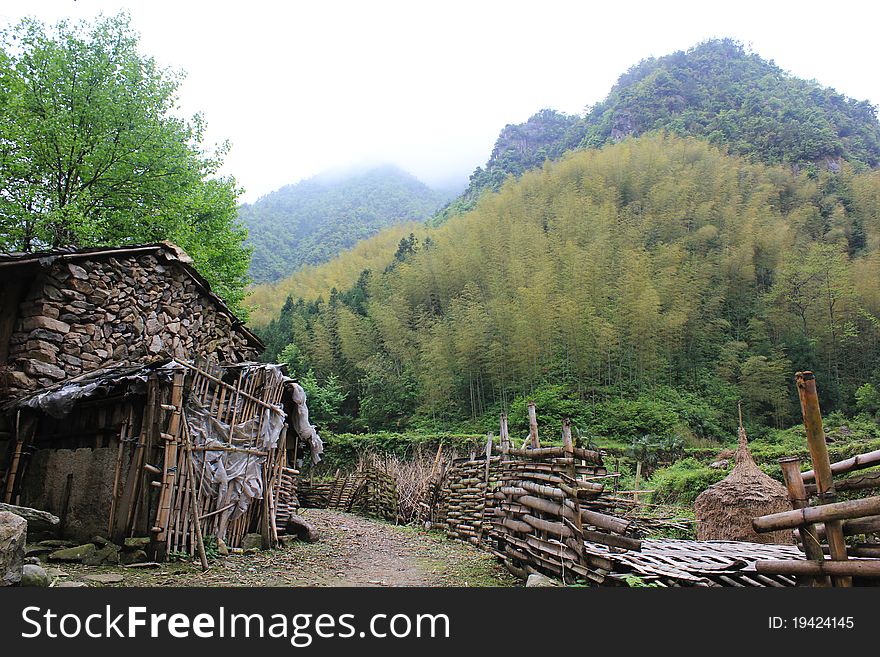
{"points": [[681, 482], [628, 420], [341, 450]]}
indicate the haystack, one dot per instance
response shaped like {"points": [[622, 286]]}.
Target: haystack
{"points": [[725, 510]]}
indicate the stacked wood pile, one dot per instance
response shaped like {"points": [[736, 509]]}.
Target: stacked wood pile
{"points": [[74, 312], [549, 506], [822, 522], [377, 496], [466, 496]]}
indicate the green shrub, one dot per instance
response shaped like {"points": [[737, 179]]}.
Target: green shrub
{"points": [[681, 482]]}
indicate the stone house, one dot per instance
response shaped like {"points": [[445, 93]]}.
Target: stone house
{"points": [[63, 313], [120, 368]]}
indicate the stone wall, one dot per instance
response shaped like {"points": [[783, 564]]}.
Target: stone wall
{"points": [[106, 311]]}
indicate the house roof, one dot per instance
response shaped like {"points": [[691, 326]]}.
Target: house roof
{"points": [[165, 250]]}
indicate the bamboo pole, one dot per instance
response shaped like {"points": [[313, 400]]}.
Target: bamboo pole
{"points": [[169, 470], [533, 427], [809, 398], [826, 513], [857, 462], [505, 436], [16, 459], [836, 569], [791, 472]]}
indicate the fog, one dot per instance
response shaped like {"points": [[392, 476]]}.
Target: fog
{"points": [[299, 88]]}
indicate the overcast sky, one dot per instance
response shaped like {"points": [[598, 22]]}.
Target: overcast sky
{"points": [[299, 87]]}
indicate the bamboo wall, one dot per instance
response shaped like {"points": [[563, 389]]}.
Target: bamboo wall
{"points": [[465, 503], [367, 491]]}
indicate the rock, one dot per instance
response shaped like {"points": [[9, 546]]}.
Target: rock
{"points": [[55, 543], [42, 322], [720, 465], [222, 550], [104, 578], [136, 543], [38, 521], [13, 535], [105, 542], [303, 530], [130, 558], [31, 560], [109, 554], [77, 272], [34, 575], [286, 541], [536, 580], [38, 368], [76, 554], [252, 542], [56, 572], [70, 585]]}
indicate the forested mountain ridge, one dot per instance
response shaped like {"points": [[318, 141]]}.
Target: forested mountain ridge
{"points": [[519, 147], [613, 281], [717, 91], [310, 222]]}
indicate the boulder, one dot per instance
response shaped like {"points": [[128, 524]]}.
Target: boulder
{"points": [[537, 580], [39, 522], [76, 554], [303, 530], [107, 555], [136, 556], [137, 543], [13, 534], [33, 575]]}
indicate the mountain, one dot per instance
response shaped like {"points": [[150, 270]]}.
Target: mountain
{"points": [[717, 91], [519, 147], [614, 283], [310, 222]]}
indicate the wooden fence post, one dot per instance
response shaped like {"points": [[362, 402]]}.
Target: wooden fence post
{"points": [[533, 426], [809, 397]]}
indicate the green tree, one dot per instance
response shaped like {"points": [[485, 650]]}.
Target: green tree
{"points": [[92, 154]]}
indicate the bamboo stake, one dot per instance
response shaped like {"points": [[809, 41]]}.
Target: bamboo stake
{"points": [[791, 472], [16, 459], [505, 436], [194, 506], [533, 426], [809, 397]]}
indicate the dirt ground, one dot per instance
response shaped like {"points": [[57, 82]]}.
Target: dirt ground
{"points": [[353, 551]]}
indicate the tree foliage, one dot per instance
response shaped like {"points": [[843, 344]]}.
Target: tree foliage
{"points": [[717, 91], [611, 278], [92, 153], [312, 221]]}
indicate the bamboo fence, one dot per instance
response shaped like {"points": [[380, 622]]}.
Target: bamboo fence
{"points": [[822, 523]]}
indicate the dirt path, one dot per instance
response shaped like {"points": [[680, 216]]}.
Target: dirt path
{"points": [[353, 551]]}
